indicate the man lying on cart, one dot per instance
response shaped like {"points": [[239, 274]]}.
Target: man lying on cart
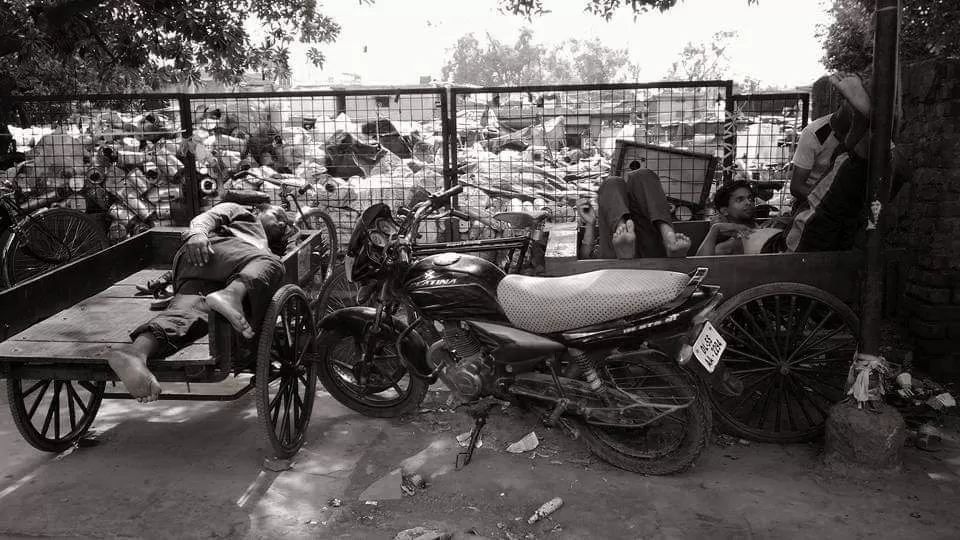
{"points": [[230, 263]]}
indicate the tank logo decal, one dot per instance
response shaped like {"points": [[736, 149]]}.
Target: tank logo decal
{"points": [[435, 282]]}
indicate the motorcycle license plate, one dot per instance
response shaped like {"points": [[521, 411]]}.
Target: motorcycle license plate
{"points": [[709, 347]]}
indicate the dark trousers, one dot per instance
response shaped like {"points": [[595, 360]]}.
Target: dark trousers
{"points": [[640, 197], [185, 319]]}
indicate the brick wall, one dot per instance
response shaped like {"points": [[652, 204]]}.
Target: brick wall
{"points": [[924, 217]]}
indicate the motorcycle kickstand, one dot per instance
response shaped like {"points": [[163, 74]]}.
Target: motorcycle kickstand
{"points": [[479, 420]]}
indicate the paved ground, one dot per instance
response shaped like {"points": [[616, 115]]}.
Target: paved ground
{"points": [[196, 470]]}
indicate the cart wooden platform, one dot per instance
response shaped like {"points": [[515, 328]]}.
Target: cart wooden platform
{"points": [[788, 320], [58, 329]]}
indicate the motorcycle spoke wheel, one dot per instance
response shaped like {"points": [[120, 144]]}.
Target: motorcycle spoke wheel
{"points": [[672, 441]]}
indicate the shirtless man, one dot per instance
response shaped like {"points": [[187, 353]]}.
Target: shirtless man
{"points": [[735, 204], [230, 263]]}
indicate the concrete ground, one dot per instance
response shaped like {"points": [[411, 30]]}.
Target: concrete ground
{"points": [[198, 470]]}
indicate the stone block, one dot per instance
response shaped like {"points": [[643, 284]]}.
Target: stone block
{"points": [[955, 299], [859, 441], [950, 209], [930, 312], [937, 347], [932, 279], [933, 295], [921, 329]]}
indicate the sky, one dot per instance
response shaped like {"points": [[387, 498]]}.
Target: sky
{"points": [[397, 41]]}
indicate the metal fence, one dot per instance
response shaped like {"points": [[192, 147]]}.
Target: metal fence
{"points": [[138, 161]]}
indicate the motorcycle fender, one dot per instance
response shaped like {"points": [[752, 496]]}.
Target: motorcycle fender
{"points": [[358, 320]]}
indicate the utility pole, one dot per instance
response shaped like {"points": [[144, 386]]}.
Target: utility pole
{"points": [[887, 22]]}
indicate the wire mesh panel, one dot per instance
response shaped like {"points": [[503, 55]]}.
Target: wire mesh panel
{"points": [[118, 159], [528, 148], [340, 151], [768, 128]]}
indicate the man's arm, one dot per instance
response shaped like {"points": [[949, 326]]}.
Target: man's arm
{"points": [[585, 249], [798, 183], [218, 216]]}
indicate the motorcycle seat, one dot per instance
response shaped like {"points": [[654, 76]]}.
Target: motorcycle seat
{"points": [[546, 305]]}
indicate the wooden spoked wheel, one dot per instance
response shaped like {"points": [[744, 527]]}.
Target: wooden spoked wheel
{"points": [[46, 240], [286, 371], [53, 414], [792, 346], [326, 254]]}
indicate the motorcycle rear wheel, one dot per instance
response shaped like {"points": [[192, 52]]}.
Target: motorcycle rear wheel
{"points": [[659, 379], [392, 390]]}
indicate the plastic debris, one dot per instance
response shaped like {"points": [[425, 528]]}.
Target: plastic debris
{"points": [[545, 510], [942, 401], [371, 503], [277, 465], [335, 503], [526, 444], [463, 439]]}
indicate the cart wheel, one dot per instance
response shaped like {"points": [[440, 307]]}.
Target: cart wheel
{"points": [[48, 239], [792, 346], [53, 414], [286, 370]]}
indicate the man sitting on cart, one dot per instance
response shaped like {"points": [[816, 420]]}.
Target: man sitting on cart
{"points": [[634, 220], [735, 204], [230, 263]]}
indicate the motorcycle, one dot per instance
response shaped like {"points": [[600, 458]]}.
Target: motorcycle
{"points": [[618, 358]]}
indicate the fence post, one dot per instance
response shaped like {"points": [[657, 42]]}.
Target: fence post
{"points": [[448, 111], [191, 193], [730, 134]]}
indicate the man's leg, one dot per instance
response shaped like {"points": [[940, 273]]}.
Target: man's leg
{"points": [[250, 274], [648, 203], [617, 230], [182, 322]]}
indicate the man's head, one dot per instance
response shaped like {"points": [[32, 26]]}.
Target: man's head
{"points": [[276, 223], [735, 201]]}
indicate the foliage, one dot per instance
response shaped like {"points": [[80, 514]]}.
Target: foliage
{"points": [[703, 61], [525, 62], [603, 8], [65, 46], [929, 28]]}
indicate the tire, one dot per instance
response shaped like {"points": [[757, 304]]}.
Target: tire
{"points": [[44, 237], [393, 391], [315, 219], [780, 359], [57, 401], [286, 356], [613, 445]]}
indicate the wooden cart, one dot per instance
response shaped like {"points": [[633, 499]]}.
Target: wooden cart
{"points": [[58, 328], [787, 318]]}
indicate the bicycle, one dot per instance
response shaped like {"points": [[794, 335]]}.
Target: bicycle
{"points": [[36, 239]]}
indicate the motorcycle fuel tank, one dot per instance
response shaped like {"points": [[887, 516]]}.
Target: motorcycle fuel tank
{"points": [[454, 286]]}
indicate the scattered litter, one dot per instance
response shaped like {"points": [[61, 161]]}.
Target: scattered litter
{"points": [[463, 439], [66, 452], [501, 525], [88, 441], [731, 457], [556, 528], [545, 510], [927, 438], [277, 465], [418, 533], [555, 462], [942, 401], [312, 522], [371, 503], [412, 483], [743, 442], [335, 503], [474, 508], [527, 443], [915, 515]]}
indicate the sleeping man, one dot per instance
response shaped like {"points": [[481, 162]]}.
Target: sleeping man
{"points": [[230, 263]]}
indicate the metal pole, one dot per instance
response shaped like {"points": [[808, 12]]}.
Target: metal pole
{"points": [[878, 193]]}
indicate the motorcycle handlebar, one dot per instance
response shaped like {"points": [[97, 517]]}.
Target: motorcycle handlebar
{"points": [[443, 198]]}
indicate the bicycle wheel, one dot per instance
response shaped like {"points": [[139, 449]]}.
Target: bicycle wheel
{"points": [[315, 219], [48, 239]]}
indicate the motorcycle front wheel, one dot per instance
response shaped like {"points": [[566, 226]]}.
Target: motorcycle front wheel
{"points": [[381, 387], [673, 442]]}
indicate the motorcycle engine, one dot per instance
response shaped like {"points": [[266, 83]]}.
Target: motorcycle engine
{"points": [[465, 370]]}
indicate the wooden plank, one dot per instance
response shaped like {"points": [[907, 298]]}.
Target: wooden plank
{"points": [[141, 277], [74, 352], [834, 272], [95, 320], [34, 300]]}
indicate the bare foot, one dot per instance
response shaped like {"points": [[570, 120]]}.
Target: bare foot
{"points": [[132, 370], [625, 240], [228, 302], [676, 244]]}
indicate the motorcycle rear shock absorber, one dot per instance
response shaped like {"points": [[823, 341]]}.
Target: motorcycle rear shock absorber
{"points": [[588, 369]]}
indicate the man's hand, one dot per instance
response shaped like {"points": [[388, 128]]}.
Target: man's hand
{"points": [[588, 216], [198, 250], [733, 229]]}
